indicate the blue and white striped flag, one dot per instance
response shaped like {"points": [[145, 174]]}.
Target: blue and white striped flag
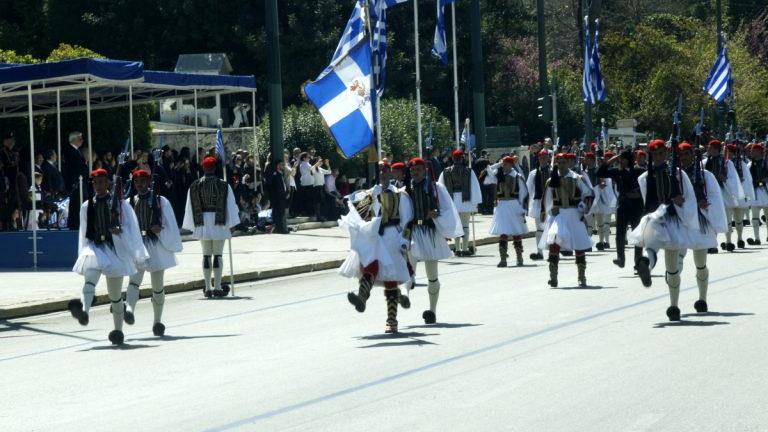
{"points": [[440, 46], [598, 83], [379, 20], [344, 99], [720, 79], [354, 33], [586, 76], [220, 150]]}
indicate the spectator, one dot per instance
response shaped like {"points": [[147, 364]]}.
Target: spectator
{"points": [[319, 170], [278, 194], [437, 165], [332, 199], [73, 166], [53, 182]]}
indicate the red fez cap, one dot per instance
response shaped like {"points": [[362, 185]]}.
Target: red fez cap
{"points": [[609, 154], [508, 159], [758, 146], [715, 143], [209, 162], [398, 165], [593, 146], [417, 161], [570, 155], [384, 164], [99, 172], [457, 153], [561, 156], [544, 152], [589, 155], [657, 144], [140, 173], [685, 146], [732, 147], [640, 153]]}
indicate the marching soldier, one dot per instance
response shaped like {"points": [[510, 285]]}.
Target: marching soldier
{"points": [[434, 220], [741, 211], [508, 216], [536, 186], [671, 205], [210, 213], [461, 182], [161, 237], [110, 244], [376, 225], [758, 168], [711, 216], [730, 186], [566, 201]]}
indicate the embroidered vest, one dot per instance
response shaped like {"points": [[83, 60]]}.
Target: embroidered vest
{"points": [[209, 194], [99, 221], [457, 179]]}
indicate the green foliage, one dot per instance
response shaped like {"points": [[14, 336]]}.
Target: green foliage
{"points": [[8, 56]]}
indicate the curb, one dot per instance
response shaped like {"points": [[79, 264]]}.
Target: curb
{"points": [[198, 284]]}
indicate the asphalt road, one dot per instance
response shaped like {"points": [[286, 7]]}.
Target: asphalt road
{"points": [[508, 354]]}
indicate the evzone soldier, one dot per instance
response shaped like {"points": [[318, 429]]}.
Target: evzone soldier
{"points": [[509, 214], [604, 204], [160, 233], [434, 220], [711, 216], [566, 200], [461, 182], [210, 213], [398, 174], [629, 208], [109, 244], [741, 211], [672, 213], [536, 185], [758, 169], [730, 186], [376, 225]]}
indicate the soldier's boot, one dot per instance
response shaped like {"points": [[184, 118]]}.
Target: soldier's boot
{"points": [[503, 248], [518, 244], [392, 296], [363, 292], [554, 260], [581, 267]]}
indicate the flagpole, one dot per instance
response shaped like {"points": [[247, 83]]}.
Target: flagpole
{"points": [[455, 77], [418, 74], [229, 240]]}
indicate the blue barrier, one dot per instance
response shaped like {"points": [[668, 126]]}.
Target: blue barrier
{"points": [[55, 250]]}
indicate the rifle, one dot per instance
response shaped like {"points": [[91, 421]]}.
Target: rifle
{"points": [[116, 196], [154, 198]]}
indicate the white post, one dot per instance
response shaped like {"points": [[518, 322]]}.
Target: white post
{"points": [[455, 77], [32, 188], [88, 123], [554, 114], [197, 144], [58, 128], [229, 241], [253, 125], [130, 115], [418, 74]]}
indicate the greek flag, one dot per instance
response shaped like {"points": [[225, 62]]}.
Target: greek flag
{"points": [[379, 18], [592, 83], [720, 80], [598, 84], [353, 34], [220, 150], [440, 46], [344, 99]]}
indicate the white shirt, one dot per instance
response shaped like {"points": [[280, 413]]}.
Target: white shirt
{"points": [[319, 174]]}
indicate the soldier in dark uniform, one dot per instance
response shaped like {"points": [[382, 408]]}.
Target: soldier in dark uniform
{"points": [[211, 212], [461, 182], [759, 170]]}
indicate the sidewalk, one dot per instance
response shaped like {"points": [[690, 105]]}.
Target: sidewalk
{"points": [[256, 257]]}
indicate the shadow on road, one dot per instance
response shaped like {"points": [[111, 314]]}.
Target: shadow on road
{"points": [[411, 339], [18, 326], [718, 314], [176, 338], [586, 288], [690, 324], [123, 347], [443, 325], [226, 298], [417, 342]]}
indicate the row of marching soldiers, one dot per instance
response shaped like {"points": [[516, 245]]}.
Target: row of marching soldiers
{"points": [[130, 237], [673, 206]]}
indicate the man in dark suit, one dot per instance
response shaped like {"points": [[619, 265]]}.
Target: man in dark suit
{"points": [[53, 181], [278, 197], [73, 166]]}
